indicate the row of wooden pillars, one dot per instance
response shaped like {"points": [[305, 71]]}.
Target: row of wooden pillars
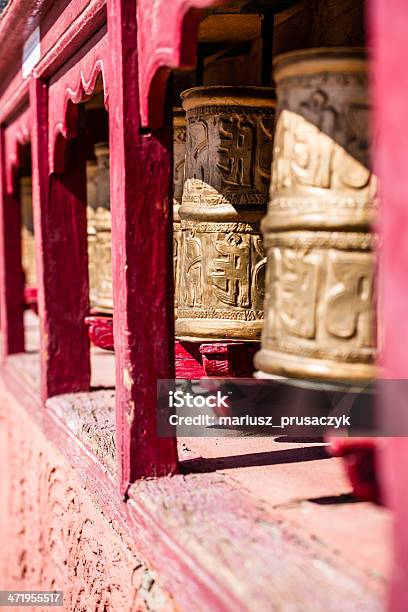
{"points": [[144, 322]]}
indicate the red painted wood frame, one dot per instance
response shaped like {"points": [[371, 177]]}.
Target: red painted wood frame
{"points": [[13, 135], [139, 205], [89, 56], [60, 223], [141, 164], [141, 215]]}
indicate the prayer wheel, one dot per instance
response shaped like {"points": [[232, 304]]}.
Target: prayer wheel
{"points": [[27, 232], [179, 153], [320, 306], [103, 246], [91, 195], [227, 173]]}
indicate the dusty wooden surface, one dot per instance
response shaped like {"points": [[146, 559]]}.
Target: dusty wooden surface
{"points": [[251, 523], [308, 489], [91, 417], [250, 553], [53, 534]]}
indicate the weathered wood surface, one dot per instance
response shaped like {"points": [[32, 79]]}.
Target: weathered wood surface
{"points": [[91, 418], [142, 264], [262, 509], [54, 535], [251, 557]]}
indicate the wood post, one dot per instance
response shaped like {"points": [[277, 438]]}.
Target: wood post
{"points": [[11, 271], [141, 174], [59, 208]]}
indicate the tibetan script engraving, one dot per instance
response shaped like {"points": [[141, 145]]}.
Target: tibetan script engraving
{"points": [[228, 159], [192, 271], [320, 320], [231, 267]]}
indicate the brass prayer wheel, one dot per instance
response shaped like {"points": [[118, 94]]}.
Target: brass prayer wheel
{"points": [[227, 172], [179, 153], [27, 232], [320, 307], [91, 198], [99, 231], [104, 292]]}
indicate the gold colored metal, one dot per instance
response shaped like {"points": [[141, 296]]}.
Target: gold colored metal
{"points": [[99, 232], [179, 154], [27, 232], [91, 195], [104, 297], [320, 309], [227, 172]]}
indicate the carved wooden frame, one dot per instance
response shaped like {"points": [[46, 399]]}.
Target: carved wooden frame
{"points": [[59, 203], [167, 39], [71, 85], [166, 35], [138, 39], [140, 452], [13, 135], [137, 158], [16, 134]]}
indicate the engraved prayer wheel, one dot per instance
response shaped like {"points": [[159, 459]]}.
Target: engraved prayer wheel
{"points": [[320, 308], [103, 296], [179, 153], [227, 173], [91, 198], [27, 232]]}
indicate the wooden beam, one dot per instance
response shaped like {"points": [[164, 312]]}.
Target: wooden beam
{"points": [[141, 174]]}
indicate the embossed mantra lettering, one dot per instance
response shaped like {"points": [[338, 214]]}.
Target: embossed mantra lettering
{"points": [[320, 319], [179, 153], [227, 173], [99, 232]]}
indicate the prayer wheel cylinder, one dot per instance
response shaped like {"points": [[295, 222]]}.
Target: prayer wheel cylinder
{"points": [[320, 307], [103, 247], [227, 173], [179, 153], [27, 232], [91, 198]]}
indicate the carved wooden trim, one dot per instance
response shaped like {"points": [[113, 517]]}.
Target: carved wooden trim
{"points": [[13, 98], [167, 39], [16, 134], [74, 34], [85, 74]]}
